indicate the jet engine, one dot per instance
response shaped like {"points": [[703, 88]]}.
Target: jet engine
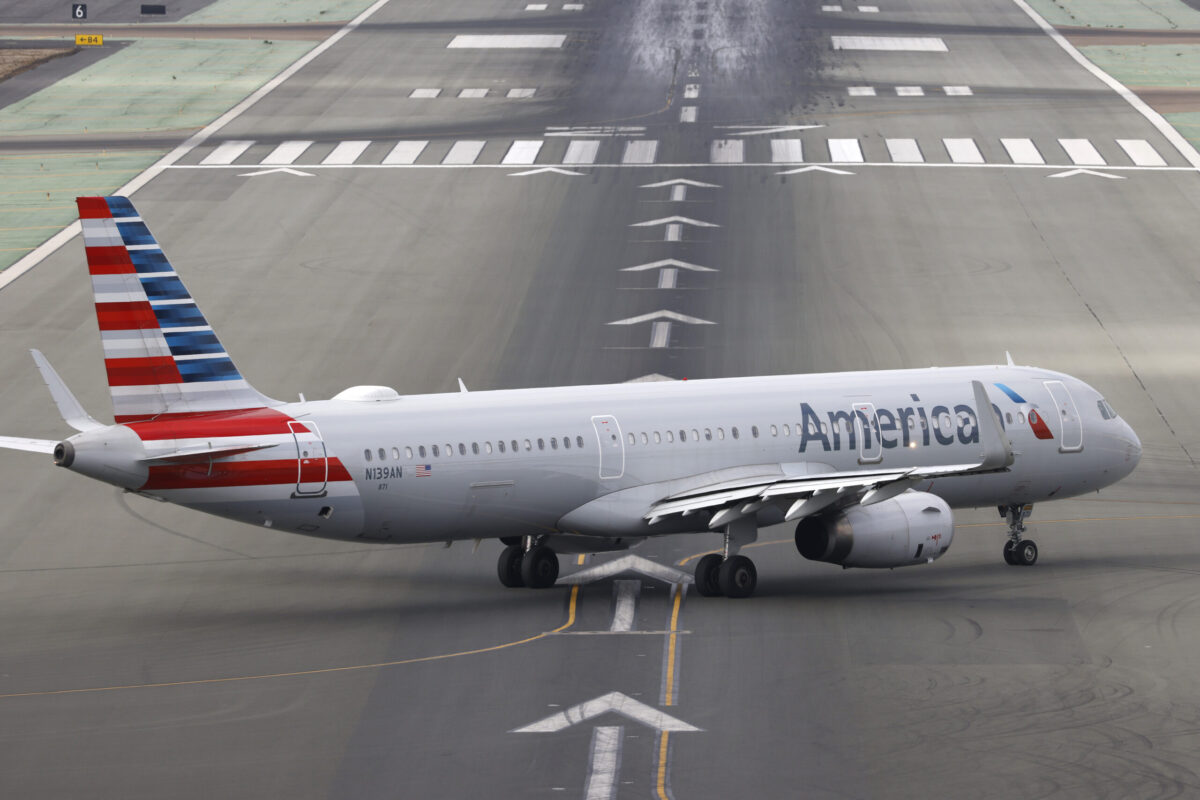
{"points": [[913, 528]]}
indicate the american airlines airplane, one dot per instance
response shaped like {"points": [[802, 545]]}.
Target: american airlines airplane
{"points": [[867, 464]]}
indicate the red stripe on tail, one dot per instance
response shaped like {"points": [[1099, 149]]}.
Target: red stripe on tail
{"points": [[93, 208], [130, 316], [146, 371], [108, 260]]}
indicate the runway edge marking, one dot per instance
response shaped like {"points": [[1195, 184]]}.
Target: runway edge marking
{"points": [[56, 241], [1157, 120]]}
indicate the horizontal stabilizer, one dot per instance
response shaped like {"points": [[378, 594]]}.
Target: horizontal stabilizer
{"points": [[30, 445], [71, 410], [203, 453]]}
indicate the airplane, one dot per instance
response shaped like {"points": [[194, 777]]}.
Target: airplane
{"points": [[868, 465]]}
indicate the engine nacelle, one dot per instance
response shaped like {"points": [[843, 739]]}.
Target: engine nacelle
{"points": [[913, 528]]}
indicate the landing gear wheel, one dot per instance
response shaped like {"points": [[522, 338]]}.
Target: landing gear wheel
{"points": [[737, 577], [539, 568], [1010, 556], [509, 566], [707, 583], [1026, 553]]}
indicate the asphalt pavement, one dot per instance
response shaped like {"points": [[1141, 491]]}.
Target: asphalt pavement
{"points": [[149, 651]]}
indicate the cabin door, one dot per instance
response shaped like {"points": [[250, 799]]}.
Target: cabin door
{"points": [[312, 466], [866, 428], [612, 446], [1068, 417]]}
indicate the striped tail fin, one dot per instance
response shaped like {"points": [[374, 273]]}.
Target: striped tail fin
{"points": [[162, 356]]}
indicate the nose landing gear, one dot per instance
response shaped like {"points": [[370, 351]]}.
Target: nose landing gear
{"points": [[1018, 552]]}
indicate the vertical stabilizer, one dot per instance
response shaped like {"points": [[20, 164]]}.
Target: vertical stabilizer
{"points": [[161, 355]]}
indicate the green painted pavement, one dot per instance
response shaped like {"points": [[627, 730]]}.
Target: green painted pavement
{"points": [[1145, 14], [231, 11], [1158, 65]]}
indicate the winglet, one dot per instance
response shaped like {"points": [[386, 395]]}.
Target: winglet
{"points": [[1008, 356], [997, 449], [462, 387], [70, 409]]}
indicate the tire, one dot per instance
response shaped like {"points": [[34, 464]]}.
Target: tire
{"points": [[1026, 553], [539, 568], [737, 577], [707, 568], [1010, 556], [509, 567]]}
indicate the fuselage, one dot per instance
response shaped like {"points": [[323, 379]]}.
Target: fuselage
{"points": [[372, 464]]}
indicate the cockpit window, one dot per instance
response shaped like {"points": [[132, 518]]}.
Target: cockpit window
{"points": [[1106, 411]]}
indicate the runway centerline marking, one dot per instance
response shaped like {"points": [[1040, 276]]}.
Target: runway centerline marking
{"points": [[572, 606]]}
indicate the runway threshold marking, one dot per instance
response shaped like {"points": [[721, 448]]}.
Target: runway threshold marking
{"points": [[571, 613]]}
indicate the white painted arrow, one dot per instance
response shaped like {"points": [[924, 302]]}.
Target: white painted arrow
{"points": [[662, 315], [288, 170], [762, 130], [622, 704], [815, 168], [681, 182], [668, 262], [628, 563], [543, 171], [675, 219], [1072, 172]]}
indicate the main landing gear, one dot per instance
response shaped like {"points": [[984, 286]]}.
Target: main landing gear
{"points": [[526, 563], [1018, 552], [727, 573]]}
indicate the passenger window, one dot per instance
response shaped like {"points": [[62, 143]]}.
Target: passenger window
{"points": [[774, 431], [421, 450], [435, 451], [754, 431], [514, 446], [682, 435], [708, 434], [1021, 417], [475, 448], [632, 439], [528, 445], [721, 434], [487, 448], [566, 443], [367, 454], [734, 431], [825, 428], [382, 454], [500, 445], [449, 450], [657, 438], [462, 449], [787, 431], [395, 454], [670, 437], [645, 438], [1008, 417], [579, 442], [541, 444], [408, 453], [695, 435], [553, 443]]}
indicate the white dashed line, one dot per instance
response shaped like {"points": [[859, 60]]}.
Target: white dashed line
{"points": [[227, 152], [674, 232], [925, 44], [869, 9], [687, 114], [286, 153], [727, 151], [518, 93], [581, 151], [1141, 153], [831, 9], [957, 91], [473, 93], [424, 93], [464, 152], [346, 152], [786, 151], [1082, 152], [861, 91], [910, 91], [508, 41], [523, 151], [1022, 151], [963, 151], [572, 6], [691, 91], [845, 151], [405, 153], [904, 151], [640, 151], [536, 7]]}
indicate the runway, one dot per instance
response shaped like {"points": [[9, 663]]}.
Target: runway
{"points": [[151, 652]]}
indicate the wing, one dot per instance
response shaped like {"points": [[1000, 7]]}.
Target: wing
{"points": [[809, 494]]}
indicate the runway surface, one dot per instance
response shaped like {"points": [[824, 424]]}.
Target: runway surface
{"points": [[152, 652]]}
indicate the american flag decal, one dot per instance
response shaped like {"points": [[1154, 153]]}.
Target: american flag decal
{"points": [[424, 470]]}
